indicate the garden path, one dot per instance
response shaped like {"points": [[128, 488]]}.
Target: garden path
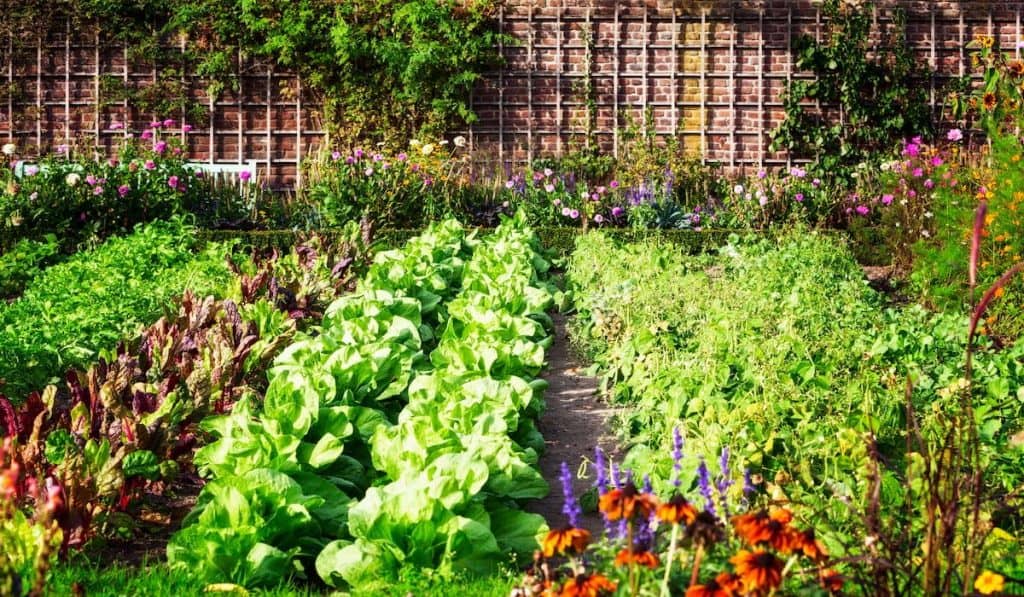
{"points": [[575, 421]]}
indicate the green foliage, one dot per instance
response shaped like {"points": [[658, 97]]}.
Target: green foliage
{"points": [[24, 262], [878, 90], [778, 350], [98, 298]]}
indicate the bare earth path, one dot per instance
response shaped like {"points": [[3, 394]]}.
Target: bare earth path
{"points": [[575, 421]]}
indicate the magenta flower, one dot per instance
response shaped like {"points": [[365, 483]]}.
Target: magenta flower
{"points": [[401, 157], [186, 128], [350, 160], [954, 135], [97, 191], [146, 134], [816, 183], [149, 165], [244, 175], [799, 197], [614, 184], [172, 182], [929, 184], [116, 126], [912, 149], [937, 161], [335, 155], [918, 172], [574, 214], [123, 190], [911, 193], [160, 146], [887, 199], [358, 153], [598, 218], [617, 211], [155, 124], [90, 180], [595, 197], [169, 122], [863, 210], [430, 182], [762, 174]]}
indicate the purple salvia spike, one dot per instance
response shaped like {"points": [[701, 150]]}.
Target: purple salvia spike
{"points": [[704, 481], [571, 507], [677, 456]]}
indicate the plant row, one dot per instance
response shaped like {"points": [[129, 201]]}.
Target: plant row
{"points": [[779, 351], [389, 437]]}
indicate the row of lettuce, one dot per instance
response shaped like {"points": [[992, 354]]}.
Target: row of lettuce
{"points": [[100, 437], [780, 354], [400, 432]]}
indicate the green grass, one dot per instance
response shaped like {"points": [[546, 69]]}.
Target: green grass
{"points": [[157, 579]]}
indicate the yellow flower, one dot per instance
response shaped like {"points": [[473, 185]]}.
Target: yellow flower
{"points": [[989, 582]]}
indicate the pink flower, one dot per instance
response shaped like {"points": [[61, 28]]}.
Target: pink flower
{"points": [[368, 172], [799, 197], [574, 214], [155, 124], [509, 184], [911, 193], [116, 126], [97, 191], [566, 211], [160, 146], [186, 128], [335, 155], [918, 172], [912, 149], [63, 148], [350, 160], [548, 172], [601, 190], [172, 182], [90, 180], [123, 190], [595, 197], [937, 161], [614, 184], [929, 184], [428, 181], [549, 188], [863, 210], [169, 122], [556, 202], [244, 175], [617, 211], [401, 157], [31, 170], [887, 199], [762, 174], [797, 172], [598, 218], [358, 153], [146, 134], [816, 183], [149, 165]]}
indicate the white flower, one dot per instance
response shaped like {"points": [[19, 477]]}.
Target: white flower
{"points": [[9, 148], [928, 214], [444, 142], [926, 234], [415, 143], [886, 166], [903, 201], [738, 189], [72, 179], [459, 141], [427, 149]]}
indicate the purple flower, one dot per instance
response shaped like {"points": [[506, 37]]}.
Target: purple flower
{"points": [[155, 124], [725, 480], [912, 150], [172, 182], [350, 160], [677, 456], [186, 128], [797, 172], [335, 155], [160, 146], [617, 211], [574, 214], [614, 184], [762, 174], [863, 210], [616, 481], [63, 148], [244, 175], [402, 157], [146, 134], [704, 482], [748, 485], [377, 157], [602, 471], [816, 183], [954, 135], [123, 190], [509, 184], [570, 506], [595, 197], [598, 218], [918, 172], [799, 197], [538, 176], [887, 199], [169, 122], [937, 161], [358, 153]]}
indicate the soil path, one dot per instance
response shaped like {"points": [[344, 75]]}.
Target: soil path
{"points": [[575, 421]]}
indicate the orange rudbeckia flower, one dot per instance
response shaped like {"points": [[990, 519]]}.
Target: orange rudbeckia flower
{"points": [[676, 511], [832, 581], [627, 502], [759, 570], [641, 557], [568, 539], [593, 585], [724, 585], [810, 546], [761, 527]]}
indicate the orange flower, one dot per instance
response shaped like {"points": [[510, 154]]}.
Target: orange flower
{"points": [[568, 539], [626, 503], [677, 510], [640, 557], [724, 585], [1017, 68], [773, 529], [758, 570], [989, 101], [832, 581], [810, 546], [593, 585]]}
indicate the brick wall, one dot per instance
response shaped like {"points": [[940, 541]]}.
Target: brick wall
{"points": [[709, 71]]}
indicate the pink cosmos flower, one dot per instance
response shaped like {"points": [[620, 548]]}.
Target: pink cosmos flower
{"points": [[574, 214], [160, 146], [97, 191], [149, 165], [799, 197], [937, 161], [598, 218], [549, 188], [123, 190], [169, 122], [172, 182], [887, 199], [863, 210], [566, 211], [146, 134], [155, 124], [954, 135]]}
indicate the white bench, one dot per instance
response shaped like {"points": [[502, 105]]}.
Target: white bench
{"points": [[230, 173]]}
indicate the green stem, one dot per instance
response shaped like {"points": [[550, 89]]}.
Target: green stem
{"points": [[671, 558]]}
